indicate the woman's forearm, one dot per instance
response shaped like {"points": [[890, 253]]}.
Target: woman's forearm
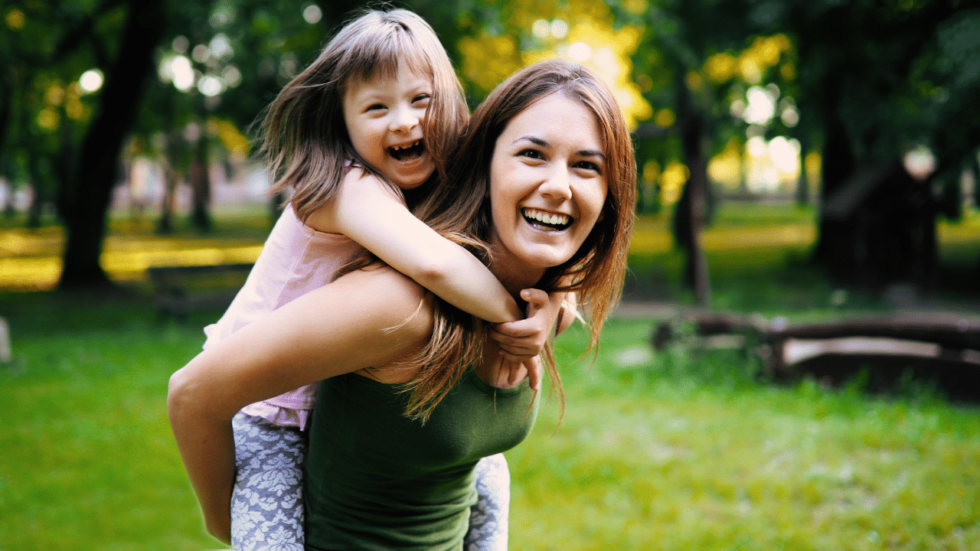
{"points": [[208, 449]]}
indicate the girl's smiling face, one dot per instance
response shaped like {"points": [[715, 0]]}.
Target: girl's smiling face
{"points": [[384, 121], [547, 184]]}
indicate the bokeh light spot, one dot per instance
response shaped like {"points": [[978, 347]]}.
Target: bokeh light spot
{"points": [[91, 81], [312, 14]]}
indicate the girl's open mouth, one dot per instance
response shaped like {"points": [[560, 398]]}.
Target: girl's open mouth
{"points": [[407, 153], [546, 221]]}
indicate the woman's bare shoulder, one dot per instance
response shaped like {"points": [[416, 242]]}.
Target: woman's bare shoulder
{"points": [[398, 303]]}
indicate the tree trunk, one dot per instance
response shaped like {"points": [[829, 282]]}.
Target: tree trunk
{"points": [[200, 180], [837, 164], [6, 99], [38, 185], [95, 173], [802, 185], [171, 178], [690, 212], [697, 263]]}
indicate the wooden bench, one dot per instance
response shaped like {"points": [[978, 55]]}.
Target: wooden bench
{"points": [[943, 348], [181, 290]]}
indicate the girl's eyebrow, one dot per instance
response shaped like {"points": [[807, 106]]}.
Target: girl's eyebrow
{"points": [[539, 142]]}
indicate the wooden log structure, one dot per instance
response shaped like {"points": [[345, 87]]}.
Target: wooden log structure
{"points": [[947, 337], [181, 290], [946, 344]]}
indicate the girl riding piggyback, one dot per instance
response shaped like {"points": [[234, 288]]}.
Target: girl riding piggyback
{"points": [[359, 137]]}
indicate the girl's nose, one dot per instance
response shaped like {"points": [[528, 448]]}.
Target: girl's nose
{"points": [[404, 119]]}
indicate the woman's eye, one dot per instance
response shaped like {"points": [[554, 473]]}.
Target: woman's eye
{"points": [[588, 165], [531, 154]]}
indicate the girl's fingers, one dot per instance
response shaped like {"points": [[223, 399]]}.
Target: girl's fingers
{"points": [[512, 332], [517, 356]]}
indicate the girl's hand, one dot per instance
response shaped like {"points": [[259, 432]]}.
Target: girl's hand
{"points": [[524, 339], [521, 341]]}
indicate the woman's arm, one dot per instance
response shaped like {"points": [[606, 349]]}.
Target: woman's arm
{"points": [[369, 213], [364, 319]]}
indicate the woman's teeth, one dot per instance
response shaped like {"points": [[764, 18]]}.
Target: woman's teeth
{"points": [[545, 220]]}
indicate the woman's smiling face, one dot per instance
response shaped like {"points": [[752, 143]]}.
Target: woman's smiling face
{"points": [[547, 184]]}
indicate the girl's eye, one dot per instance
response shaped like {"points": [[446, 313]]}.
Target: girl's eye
{"points": [[375, 107], [421, 98]]}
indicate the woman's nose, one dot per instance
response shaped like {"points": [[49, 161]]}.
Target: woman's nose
{"points": [[558, 184], [404, 119]]}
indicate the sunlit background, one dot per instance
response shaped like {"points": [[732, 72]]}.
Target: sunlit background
{"points": [[817, 158], [736, 68]]}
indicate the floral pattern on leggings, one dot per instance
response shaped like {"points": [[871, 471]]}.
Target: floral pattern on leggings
{"points": [[267, 501], [488, 518]]}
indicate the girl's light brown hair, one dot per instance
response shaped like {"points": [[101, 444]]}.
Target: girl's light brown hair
{"points": [[303, 134], [460, 210]]}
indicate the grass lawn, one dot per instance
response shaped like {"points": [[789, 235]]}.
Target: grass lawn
{"points": [[655, 452], [666, 451], [676, 452]]}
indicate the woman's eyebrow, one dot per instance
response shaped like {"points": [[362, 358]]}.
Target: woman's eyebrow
{"points": [[533, 139], [543, 143]]}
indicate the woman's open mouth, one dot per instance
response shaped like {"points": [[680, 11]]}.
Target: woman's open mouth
{"points": [[544, 221], [407, 152]]}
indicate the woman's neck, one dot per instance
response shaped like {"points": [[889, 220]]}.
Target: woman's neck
{"points": [[513, 274]]}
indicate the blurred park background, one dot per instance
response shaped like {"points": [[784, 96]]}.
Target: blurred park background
{"points": [[808, 182]]}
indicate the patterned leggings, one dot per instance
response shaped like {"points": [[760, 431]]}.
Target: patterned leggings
{"points": [[267, 501]]}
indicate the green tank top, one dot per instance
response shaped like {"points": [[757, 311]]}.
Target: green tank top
{"points": [[377, 480]]}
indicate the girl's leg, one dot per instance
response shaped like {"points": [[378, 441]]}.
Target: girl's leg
{"points": [[267, 501], [488, 518]]}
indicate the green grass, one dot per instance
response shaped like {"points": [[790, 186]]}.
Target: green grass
{"points": [[89, 460], [671, 451], [680, 452]]}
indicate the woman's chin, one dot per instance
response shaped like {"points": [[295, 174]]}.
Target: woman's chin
{"points": [[542, 258]]}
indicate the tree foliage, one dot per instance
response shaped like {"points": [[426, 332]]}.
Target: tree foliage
{"points": [[856, 83]]}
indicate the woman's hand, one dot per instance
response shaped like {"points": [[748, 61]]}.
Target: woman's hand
{"points": [[514, 372]]}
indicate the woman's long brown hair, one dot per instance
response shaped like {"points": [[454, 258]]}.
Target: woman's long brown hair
{"points": [[459, 209]]}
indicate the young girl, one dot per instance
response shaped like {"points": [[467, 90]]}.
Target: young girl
{"points": [[363, 129]]}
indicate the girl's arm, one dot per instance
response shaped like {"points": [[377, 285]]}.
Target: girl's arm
{"points": [[366, 211], [357, 321]]}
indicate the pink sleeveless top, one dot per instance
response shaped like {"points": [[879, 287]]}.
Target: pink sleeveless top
{"points": [[295, 260]]}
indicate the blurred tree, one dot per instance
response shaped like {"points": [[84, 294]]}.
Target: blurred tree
{"points": [[883, 78], [95, 173], [865, 81], [673, 59]]}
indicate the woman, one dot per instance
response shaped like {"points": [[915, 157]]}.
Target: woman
{"points": [[413, 394]]}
